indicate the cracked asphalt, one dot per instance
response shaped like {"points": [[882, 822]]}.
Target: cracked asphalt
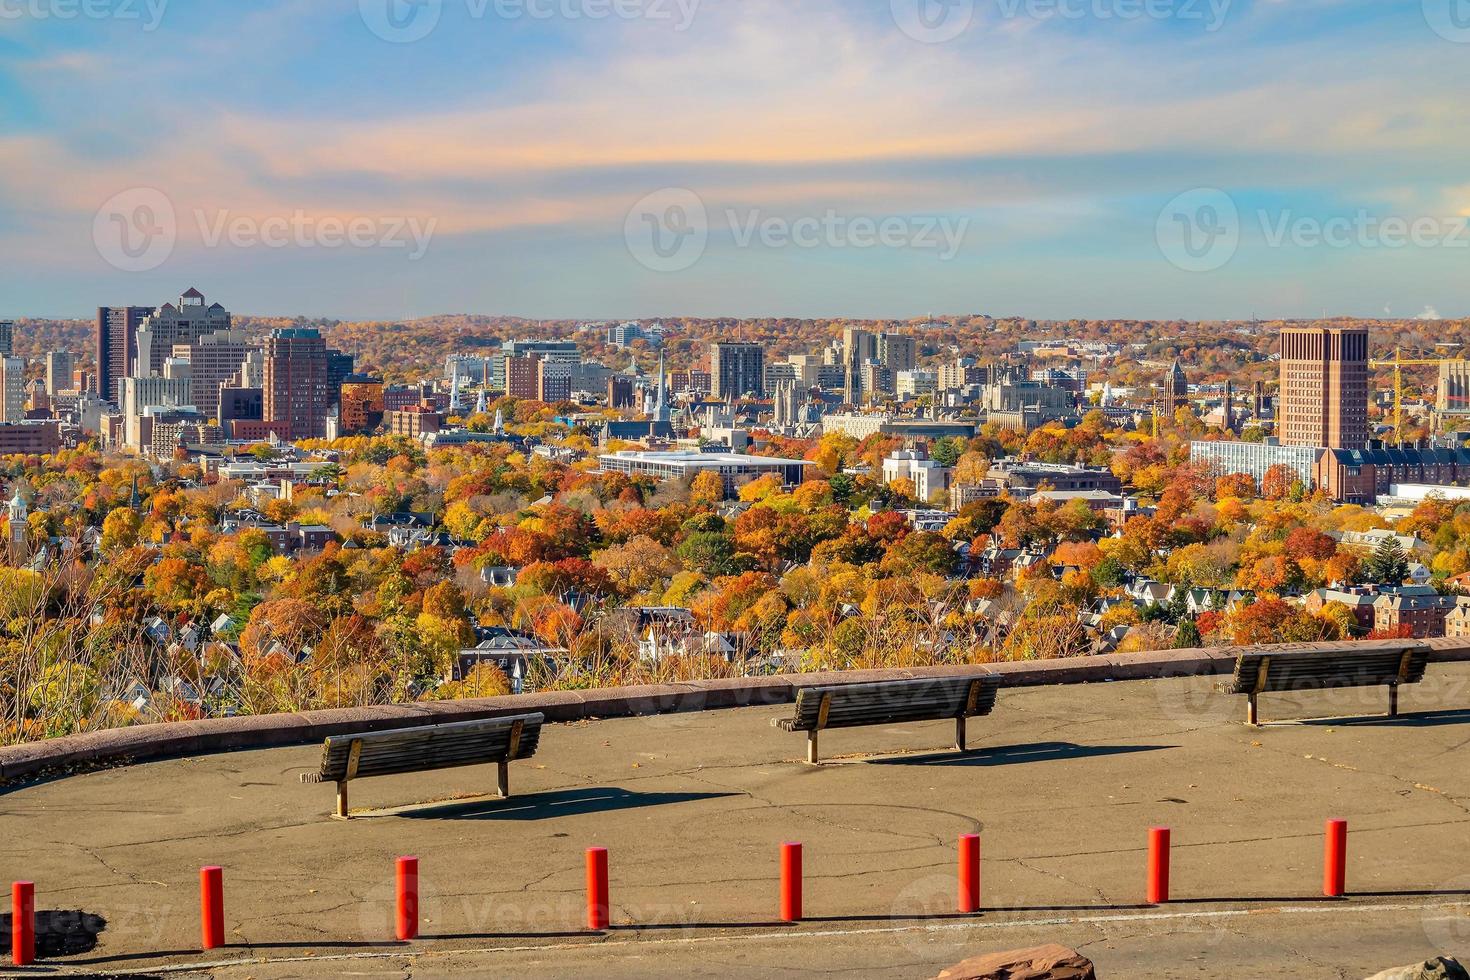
{"points": [[1062, 784]]}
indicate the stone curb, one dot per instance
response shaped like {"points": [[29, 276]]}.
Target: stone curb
{"points": [[174, 739]]}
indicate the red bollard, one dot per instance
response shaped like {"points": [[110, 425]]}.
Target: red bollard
{"points": [[790, 882], [1334, 861], [212, 907], [597, 903], [969, 873], [23, 923], [1158, 865], [408, 899]]}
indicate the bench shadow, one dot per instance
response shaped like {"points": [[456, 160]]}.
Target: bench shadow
{"points": [[547, 806], [1421, 719], [59, 932], [1009, 755]]}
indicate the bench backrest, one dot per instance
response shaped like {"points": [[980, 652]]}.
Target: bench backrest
{"points": [[1306, 670], [463, 743], [923, 699]]}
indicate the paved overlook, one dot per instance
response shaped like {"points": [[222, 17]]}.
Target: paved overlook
{"points": [[1062, 784]]}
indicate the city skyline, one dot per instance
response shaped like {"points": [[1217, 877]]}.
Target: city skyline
{"points": [[1037, 164]]}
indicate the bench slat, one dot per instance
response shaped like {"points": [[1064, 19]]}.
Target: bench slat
{"points": [[923, 699], [428, 748]]}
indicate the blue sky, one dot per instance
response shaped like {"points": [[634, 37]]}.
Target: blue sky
{"points": [[524, 156]]}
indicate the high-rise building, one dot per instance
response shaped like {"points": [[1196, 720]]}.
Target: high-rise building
{"points": [[215, 358], [340, 367], [520, 377], [170, 325], [7, 337], [295, 383], [59, 367], [736, 370], [552, 350], [898, 352], [12, 389], [1324, 387], [117, 330], [553, 380]]}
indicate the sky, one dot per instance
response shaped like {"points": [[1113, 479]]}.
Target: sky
{"points": [[384, 159]]}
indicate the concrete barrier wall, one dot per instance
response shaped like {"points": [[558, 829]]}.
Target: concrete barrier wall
{"points": [[144, 742]]}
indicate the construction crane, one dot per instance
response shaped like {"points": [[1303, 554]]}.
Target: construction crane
{"points": [[1398, 362]]}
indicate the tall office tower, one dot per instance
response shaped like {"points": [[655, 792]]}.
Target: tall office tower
{"points": [[215, 358], [897, 352], [551, 350], [1324, 387], [7, 337], [1176, 390], [553, 381], [295, 382], [169, 325], [117, 331], [736, 370], [340, 367], [521, 378], [12, 389], [59, 367]]}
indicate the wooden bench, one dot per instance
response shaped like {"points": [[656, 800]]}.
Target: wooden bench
{"points": [[1367, 665], [890, 702], [465, 743]]}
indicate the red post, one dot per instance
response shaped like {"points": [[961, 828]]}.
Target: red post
{"points": [[212, 907], [1334, 862], [1158, 865], [597, 902], [23, 923], [790, 882], [969, 873], [408, 899]]}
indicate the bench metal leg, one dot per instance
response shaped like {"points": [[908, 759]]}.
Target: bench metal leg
{"points": [[959, 735], [1393, 700], [811, 748], [341, 813], [1251, 716], [503, 779]]}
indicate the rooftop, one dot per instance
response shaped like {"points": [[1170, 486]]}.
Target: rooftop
{"points": [[1062, 784], [695, 458]]}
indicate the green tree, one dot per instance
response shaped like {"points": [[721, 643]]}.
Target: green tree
{"points": [[1388, 564], [1187, 637]]}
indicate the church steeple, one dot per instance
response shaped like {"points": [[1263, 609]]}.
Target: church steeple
{"points": [[661, 409]]}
